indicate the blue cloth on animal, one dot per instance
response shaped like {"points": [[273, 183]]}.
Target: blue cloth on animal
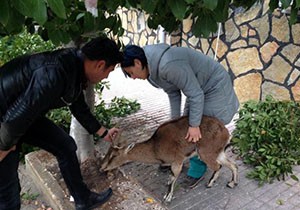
{"points": [[197, 167]]}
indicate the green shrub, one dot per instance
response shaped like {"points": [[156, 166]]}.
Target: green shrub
{"points": [[118, 107], [267, 137], [61, 117], [23, 43]]}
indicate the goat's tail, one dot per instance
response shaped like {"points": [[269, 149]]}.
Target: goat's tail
{"points": [[229, 144]]}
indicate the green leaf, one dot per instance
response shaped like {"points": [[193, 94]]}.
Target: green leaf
{"points": [[297, 3], [273, 5], [221, 11], [58, 37], [113, 5], [152, 22], [58, 7], [190, 1], [245, 3], [39, 13], [294, 177], [25, 7], [170, 24], [149, 5], [32, 8], [178, 8], [4, 12], [89, 21], [204, 26], [79, 16], [15, 22], [279, 202], [132, 3], [210, 4], [286, 3], [293, 17], [110, 22]]}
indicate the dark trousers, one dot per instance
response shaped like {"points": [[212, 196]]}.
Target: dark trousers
{"points": [[46, 135]]}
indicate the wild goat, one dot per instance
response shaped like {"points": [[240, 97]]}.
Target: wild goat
{"points": [[168, 146]]}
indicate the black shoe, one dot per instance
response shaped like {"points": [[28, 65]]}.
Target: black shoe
{"points": [[164, 169], [191, 182], [95, 200]]}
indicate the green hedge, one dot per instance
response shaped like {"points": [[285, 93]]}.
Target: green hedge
{"points": [[24, 43], [267, 137]]}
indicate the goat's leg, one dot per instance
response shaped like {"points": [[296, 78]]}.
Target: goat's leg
{"points": [[223, 160], [176, 169], [213, 178], [211, 163]]}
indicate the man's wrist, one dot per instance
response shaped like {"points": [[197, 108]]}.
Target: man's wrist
{"points": [[104, 134]]}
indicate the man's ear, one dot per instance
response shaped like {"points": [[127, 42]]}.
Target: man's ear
{"points": [[101, 64], [137, 62]]}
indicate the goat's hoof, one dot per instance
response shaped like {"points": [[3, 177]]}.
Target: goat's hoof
{"points": [[167, 198], [209, 185], [232, 184]]}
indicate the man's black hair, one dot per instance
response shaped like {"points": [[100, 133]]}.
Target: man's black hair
{"points": [[132, 52], [103, 48]]}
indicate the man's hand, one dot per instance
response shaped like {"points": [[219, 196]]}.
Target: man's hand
{"points": [[3, 154], [111, 135], [193, 134]]}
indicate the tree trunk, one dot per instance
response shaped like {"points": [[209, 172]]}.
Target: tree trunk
{"points": [[84, 141]]}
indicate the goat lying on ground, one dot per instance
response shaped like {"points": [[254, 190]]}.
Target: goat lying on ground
{"points": [[168, 146]]}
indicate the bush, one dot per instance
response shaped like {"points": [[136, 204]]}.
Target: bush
{"points": [[23, 43], [119, 107], [267, 137]]}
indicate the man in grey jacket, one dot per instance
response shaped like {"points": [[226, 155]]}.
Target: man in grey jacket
{"points": [[205, 83]]}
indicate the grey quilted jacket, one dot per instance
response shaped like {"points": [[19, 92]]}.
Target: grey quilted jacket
{"points": [[205, 83]]}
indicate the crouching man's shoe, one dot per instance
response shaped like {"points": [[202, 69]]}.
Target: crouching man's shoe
{"points": [[95, 200]]}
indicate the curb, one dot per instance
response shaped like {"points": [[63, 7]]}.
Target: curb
{"points": [[45, 182]]}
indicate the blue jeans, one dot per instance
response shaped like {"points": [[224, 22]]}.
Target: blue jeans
{"points": [[44, 134]]}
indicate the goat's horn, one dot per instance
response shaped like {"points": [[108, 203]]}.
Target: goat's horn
{"points": [[129, 147]]}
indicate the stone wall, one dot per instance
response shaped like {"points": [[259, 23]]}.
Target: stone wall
{"points": [[260, 50], [136, 29]]}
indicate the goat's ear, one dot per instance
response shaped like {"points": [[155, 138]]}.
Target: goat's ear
{"points": [[129, 147], [116, 140]]}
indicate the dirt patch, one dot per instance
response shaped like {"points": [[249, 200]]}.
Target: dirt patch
{"points": [[128, 193]]}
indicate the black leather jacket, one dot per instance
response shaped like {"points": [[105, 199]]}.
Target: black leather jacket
{"points": [[32, 85]]}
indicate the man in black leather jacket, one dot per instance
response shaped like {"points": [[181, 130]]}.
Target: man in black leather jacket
{"points": [[30, 86]]}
